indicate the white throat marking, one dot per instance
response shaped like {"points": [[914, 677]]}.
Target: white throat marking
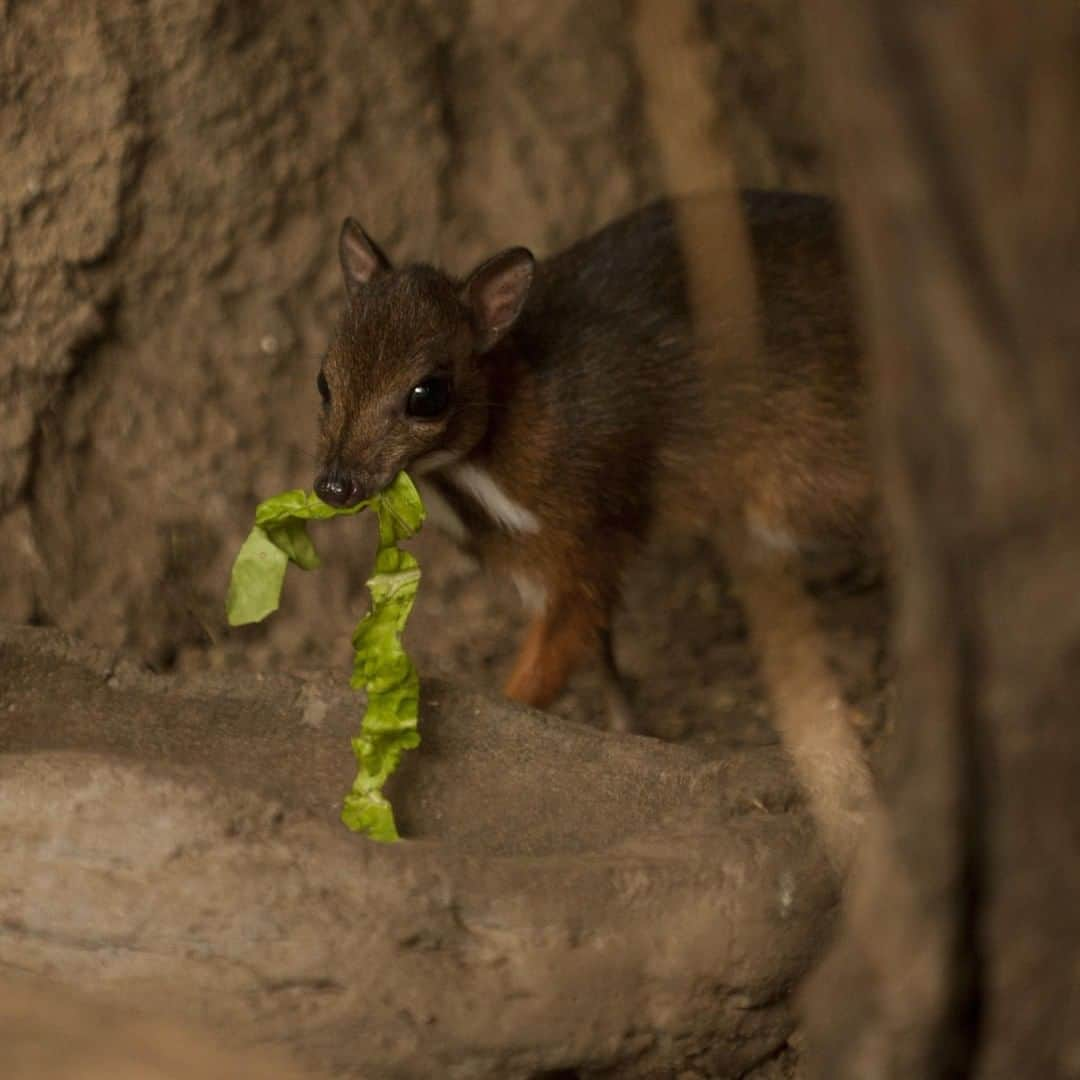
{"points": [[503, 510]]}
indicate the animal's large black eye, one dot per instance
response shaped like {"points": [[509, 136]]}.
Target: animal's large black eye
{"points": [[429, 399], [324, 389]]}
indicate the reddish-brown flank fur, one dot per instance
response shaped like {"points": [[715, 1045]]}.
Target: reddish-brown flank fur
{"points": [[577, 389]]}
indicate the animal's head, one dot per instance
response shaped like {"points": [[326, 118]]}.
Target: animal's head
{"points": [[405, 381]]}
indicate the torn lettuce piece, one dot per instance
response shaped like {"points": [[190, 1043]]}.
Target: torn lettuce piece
{"points": [[380, 664], [278, 537]]}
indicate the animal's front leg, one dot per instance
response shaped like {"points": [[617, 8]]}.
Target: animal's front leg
{"points": [[621, 717], [564, 635]]}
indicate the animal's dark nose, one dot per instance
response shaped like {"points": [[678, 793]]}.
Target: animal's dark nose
{"points": [[337, 487]]}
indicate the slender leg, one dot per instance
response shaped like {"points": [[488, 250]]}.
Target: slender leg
{"points": [[621, 716], [556, 643]]}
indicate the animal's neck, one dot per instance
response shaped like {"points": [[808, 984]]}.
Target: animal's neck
{"points": [[487, 476], [511, 398], [494, 497]]}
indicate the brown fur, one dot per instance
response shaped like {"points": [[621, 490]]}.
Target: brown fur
{"points": [[594, 410]]}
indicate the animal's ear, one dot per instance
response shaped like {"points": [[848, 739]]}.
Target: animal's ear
{"points": [[361, 258], [495, 293]]}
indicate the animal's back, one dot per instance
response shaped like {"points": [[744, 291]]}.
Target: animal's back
{"points": [[626, 285], [644, 417]]}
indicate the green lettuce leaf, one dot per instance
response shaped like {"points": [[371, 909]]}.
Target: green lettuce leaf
{"points": [[380, 664]]}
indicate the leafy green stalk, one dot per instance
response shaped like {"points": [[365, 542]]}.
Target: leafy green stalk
{"points": [[380, 664]]}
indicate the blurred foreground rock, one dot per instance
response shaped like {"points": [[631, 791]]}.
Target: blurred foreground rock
{"points": [[52, 1034], [568, 900]]}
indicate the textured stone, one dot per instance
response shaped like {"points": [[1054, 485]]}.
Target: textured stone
{"points": [[568, 899]]}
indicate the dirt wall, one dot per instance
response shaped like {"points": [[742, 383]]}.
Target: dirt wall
{"points": [[174, 178]]}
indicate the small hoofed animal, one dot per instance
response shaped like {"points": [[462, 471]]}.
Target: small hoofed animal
{"points": [[556, 409]]}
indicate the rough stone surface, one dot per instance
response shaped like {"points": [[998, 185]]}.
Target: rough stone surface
{"points": [[50, 1033], [568, 900]]}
